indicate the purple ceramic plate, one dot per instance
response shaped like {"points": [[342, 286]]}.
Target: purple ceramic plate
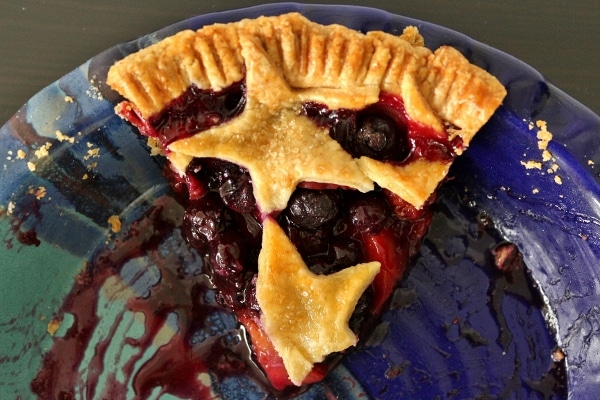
{"points": [[456, 328]]}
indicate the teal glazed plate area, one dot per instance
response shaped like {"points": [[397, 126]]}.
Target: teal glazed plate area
{"points": [[81, 201]]}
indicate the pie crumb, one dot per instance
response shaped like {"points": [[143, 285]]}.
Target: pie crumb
{"points": [[92, 152], [64, 138], [43, 150], [68, 99], [558, 355], [21, 154], [31, 166], [115, 223], [531, 164], [155, 147], [544, 137], [40, 193], [546, 155], [53, 326]]}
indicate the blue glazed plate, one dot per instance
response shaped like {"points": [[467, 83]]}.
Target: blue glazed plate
{"points": [[456, 328]]}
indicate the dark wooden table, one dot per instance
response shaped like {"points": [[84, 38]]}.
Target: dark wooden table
{"points": [[42, 40]]}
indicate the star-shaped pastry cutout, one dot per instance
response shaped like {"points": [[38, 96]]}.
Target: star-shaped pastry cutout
{"points": [[278, 145], [304, 314]]}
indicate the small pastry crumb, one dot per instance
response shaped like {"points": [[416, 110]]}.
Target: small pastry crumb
{"points": [[546, 155], [53, 326], [43, 150], [544, 137], [64, 138], [40, 193], [531, 164], [31, 166], [92, 152], [115, 223], [558, 355], [155, 148], [68, 99], [21, 154]]}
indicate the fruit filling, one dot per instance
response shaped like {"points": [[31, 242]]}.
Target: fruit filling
{"points": [[332, 227], [383, 131], [194, 111]]}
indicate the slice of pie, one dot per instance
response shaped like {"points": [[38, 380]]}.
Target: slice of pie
{"points": [[307, 157]]}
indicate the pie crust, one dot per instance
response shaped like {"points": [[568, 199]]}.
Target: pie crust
{"points": [[332, 65], [298, 334], [287, 61]]}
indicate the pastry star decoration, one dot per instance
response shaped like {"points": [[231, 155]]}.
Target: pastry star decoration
{"points": [[305, 315], [271, 138]]}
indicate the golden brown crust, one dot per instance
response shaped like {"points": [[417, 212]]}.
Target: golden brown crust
{"points": [[333, 65], [306, 315], [460, 92], [414, 182], [321, 60]]}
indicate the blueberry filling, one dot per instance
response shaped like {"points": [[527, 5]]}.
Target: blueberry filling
{"points": [[198, 110], [311, 209], [382, 131], [327, 226], [372, 133], [331, 227], [194, 111]]}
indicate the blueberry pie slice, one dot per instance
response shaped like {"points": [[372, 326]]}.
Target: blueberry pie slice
{"points": [[307, 157]]}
